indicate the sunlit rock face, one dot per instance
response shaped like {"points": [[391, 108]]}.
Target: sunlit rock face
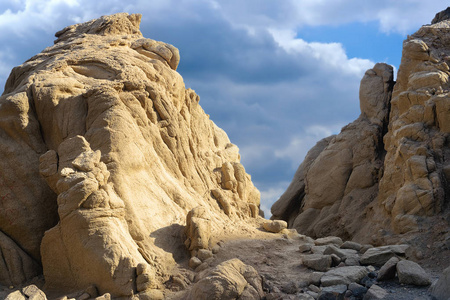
{"points": [[104, 153], [385, 176]]}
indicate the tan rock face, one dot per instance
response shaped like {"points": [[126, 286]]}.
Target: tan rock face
{"points": [[341, 172], [388, 172], [117, 152]]}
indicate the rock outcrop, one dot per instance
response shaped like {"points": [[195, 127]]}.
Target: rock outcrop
{"points": [[387, 174], [107, 152]]}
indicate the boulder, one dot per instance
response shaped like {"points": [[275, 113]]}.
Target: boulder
{"points": [[387, 271], [376, 256], [275, 225], [317, 262], [329, 240], [108, 152], [409, 272], [375, 293], [344, 275], [351, 245], [441, 288], [231, 279]]}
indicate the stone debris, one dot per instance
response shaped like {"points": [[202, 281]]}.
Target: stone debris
{"points": [[409, 272], [275, 226]]}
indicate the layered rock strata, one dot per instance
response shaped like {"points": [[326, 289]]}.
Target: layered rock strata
{"points": [[107, 152], [387, 173]]}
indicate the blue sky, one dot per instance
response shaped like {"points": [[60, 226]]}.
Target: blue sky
{"points": [[277, 76]]}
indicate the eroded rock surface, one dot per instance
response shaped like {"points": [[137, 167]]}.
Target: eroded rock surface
{"points": [[107, 153], [387, 173]]}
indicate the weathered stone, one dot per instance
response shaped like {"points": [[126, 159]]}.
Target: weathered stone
{"points": [[317, 262], [375, 292], [107, 151], [204, 254], [352, 261], [351, 245], [343, 275], [274, 226], [334, 240], [387, 271], [314, 278], [229, 280], [338, 291], [409, 272], [376, 256], [16, 295], [441, 288], [357, 290], [304, 248], [33, 292]]}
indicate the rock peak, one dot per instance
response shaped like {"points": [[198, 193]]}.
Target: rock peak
{"points": [[441, 16], [117, 24]]}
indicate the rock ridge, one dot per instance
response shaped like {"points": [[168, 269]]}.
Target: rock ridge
{"points": [[385, 177], [109, 157]]}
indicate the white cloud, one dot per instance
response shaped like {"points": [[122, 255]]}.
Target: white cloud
{"points": [[300, 144], [271, 194], [332, 54]]}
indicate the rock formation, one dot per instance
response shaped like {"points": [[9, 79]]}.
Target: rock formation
{"points": [[107, 152], [387, 173]]}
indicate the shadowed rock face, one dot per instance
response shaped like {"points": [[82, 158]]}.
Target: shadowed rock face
{"points": [[387, 173], [107, 152]]}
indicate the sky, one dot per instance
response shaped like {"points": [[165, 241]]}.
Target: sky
{"points": [[277, 76]]}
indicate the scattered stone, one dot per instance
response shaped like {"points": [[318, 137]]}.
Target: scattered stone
{"points": [[204, 254], [16, 295], [376, 256], [368, 281], [106, 296], [317, 262], [289, 288], [304, 248], [337, 290], [275, 226], [375, 292], [387, 271], [351, 245], [332, 249], [441, 288], [318, 249], [314, 288], [314, 278], [409, 272], [352, 261], [32, 291], [344, 275], [202, 267], [194, 262], [364, 248], [329, 240], [215, 249], [357, 290], [314, 295], [335, 260]]}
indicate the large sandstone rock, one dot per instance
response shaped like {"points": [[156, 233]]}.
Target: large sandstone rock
{"points": [[340, 174], [388, 172], [107, 152], [231, 279]]}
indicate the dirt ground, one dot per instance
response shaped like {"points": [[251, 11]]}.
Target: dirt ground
{"points": [[278, 260]]}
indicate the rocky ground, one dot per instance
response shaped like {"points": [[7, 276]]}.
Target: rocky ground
{"points": [[292, 266], [281, 264]]}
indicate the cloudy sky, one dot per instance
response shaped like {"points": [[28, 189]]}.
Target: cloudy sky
{"points": [[276, 75]]}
